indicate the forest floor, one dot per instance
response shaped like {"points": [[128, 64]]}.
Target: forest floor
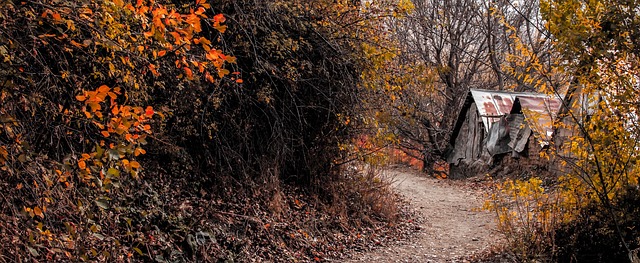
{"points": [[452, 226]]}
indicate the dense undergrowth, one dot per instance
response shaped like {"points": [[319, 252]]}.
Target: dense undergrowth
{"points": [[182, 130], [540, 225]]}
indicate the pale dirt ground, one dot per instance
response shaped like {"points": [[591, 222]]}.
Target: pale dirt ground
{"points": [[454, 227]]}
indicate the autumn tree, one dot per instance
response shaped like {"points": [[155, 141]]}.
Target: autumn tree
{"points": [[596, 47], [593, 65]]}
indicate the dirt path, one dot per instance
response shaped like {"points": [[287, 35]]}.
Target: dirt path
{"points": [[454, 228]]}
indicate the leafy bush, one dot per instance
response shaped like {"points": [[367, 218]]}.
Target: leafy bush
{"points": [[132, 128]]}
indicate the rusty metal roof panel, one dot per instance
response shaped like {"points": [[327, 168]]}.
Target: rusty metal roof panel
{"points": [[540, 111], [493, 104]]}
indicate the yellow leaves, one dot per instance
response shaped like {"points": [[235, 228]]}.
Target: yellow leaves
{"points": [[35, 211], [520, 205], [404, 7], [139, 151], [202, 40], [222, 29], [223, 72], [118, 3], [130, 165], [230, 59]]}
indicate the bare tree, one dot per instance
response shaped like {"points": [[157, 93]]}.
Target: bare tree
{"points": [[459, 44]]}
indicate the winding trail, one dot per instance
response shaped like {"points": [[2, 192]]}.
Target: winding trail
{"points": [[454, 228]]}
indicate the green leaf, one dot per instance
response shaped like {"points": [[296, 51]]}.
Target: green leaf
{"points": [[139, 251], [113, 171], [99, 152]]}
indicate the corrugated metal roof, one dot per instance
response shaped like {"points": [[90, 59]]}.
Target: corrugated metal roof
{"points": [[540, 112], [538, 108], [493, 104]]}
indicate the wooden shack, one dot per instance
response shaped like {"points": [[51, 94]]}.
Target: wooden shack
{"points": [[493, 125]]}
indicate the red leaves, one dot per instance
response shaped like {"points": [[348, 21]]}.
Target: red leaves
{"points": [[188, 72], [219, 18], [82, 165], [153, 69], [200, 11], [148, 112], [54, 15]]}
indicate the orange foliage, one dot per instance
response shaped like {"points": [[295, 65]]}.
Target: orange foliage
{"points": [[97, 63]]}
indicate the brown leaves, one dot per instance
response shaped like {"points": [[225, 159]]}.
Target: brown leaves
{"points": [[38, 212], [35, 211], [3, 155]]}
